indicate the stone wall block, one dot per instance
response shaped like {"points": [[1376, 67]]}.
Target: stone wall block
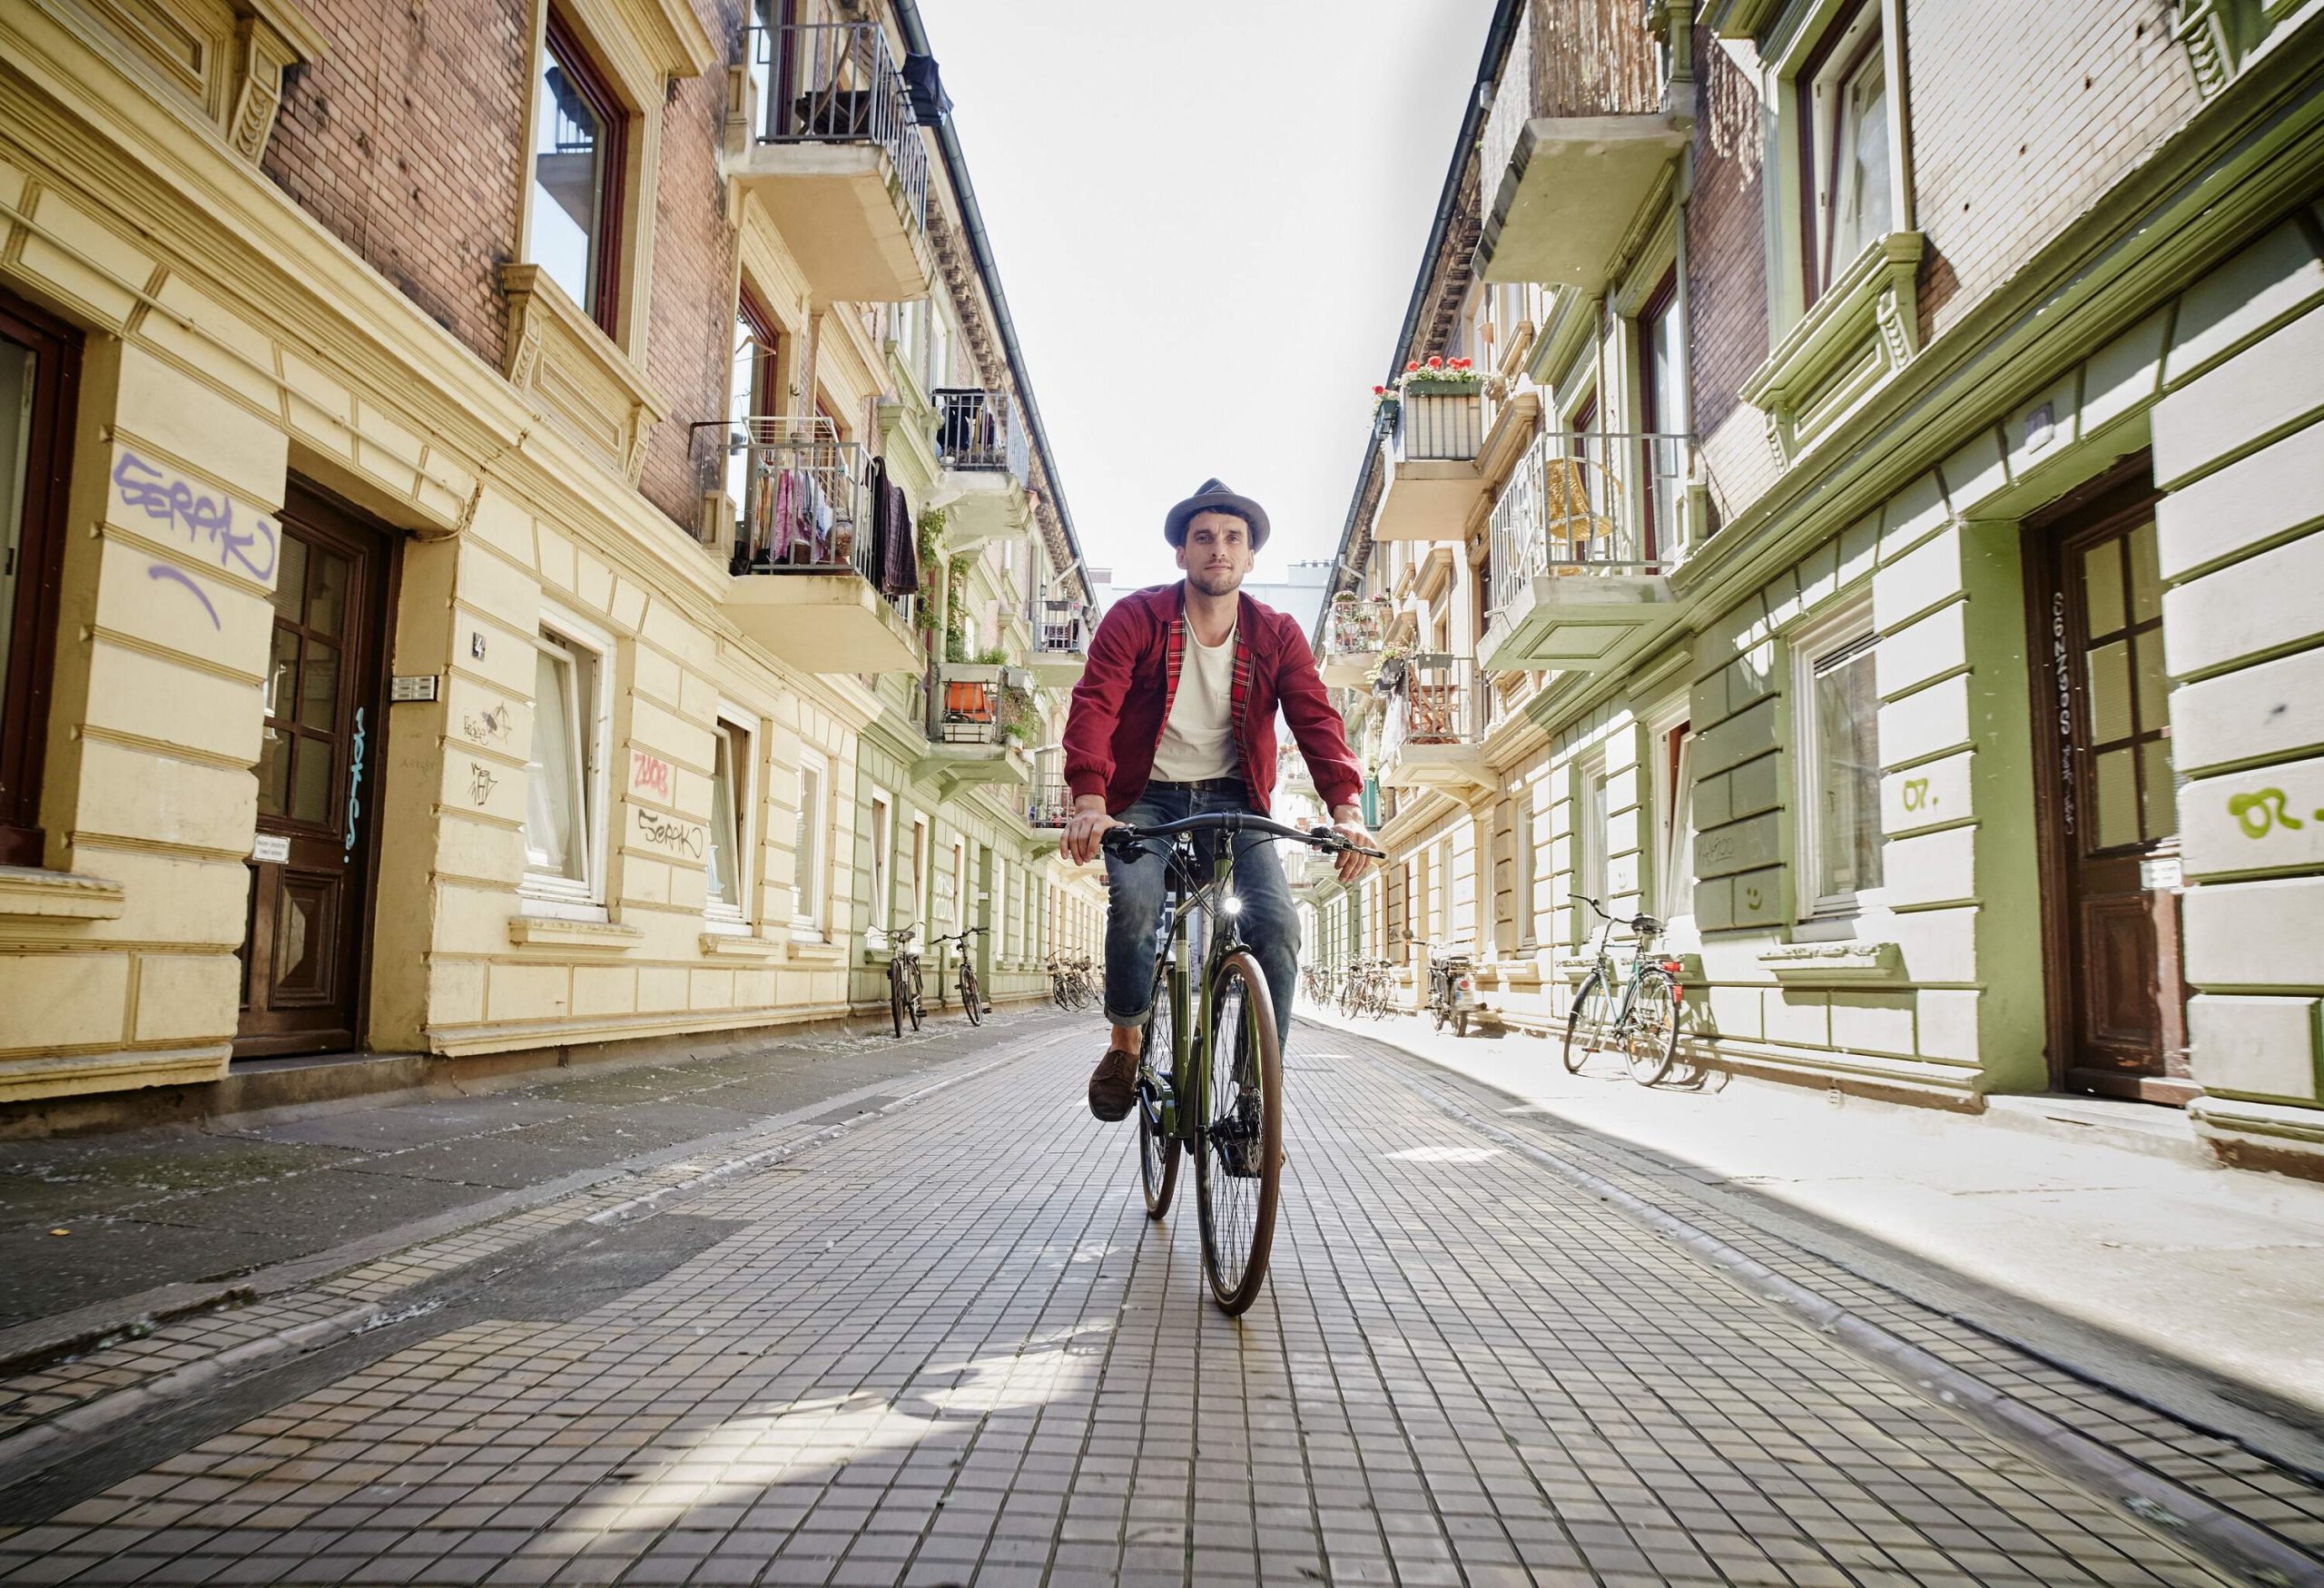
{"points": [[1869, 1021], [2124, 374], [1912, 516], [186, 998], [2274, 708], [1928, 649], [1928, 795], [1946, 1024], [1931, 868], [1976, 473], [62, 1000], [2265, 388], [2269, 819], [2245, 609], [604, 989], [522, 992], [1799, 1016], [2277, 276], [1927, 722], [125, 792], [181, 420], [1739, 738], [2260, 935], [1739, 846], [1911, 583], [2257, 1046], [2249, 503]]}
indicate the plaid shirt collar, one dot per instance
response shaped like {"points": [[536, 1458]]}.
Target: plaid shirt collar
{"points": [[1173, 653]]}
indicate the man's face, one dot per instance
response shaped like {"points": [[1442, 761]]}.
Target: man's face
{"points": [[1217, 553]]}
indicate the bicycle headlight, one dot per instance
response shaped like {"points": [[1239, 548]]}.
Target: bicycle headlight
{"points": [[1233, 906]]}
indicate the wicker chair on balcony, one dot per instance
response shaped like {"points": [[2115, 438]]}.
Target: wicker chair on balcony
{"points": [[1572, 527], [1433, 714]]}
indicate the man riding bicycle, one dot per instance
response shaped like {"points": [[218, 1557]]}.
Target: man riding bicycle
{"points": [[1175, 718]]}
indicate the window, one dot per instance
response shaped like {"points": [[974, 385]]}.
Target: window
{"points": [[564, 799], [807, 845], [1663, 400], [1848, 201], [883, 827], [919, 878], [1520, 880], [579, 142], [1590, 845], [40, 362], [1674, 805], [1837, 727], [731, 808]]}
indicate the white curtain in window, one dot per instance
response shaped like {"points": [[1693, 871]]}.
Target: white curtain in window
{"points": [[1863, 208], [807, 845], [1848, 750], [553, 800], [725, 879]]}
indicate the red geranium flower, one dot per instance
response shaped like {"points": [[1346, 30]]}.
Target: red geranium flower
{"points": [[1413, 364], [1435, 361]]}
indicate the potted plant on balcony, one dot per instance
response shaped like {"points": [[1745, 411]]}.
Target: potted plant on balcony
{"points": [[1438, 377], [1386, 401], [1441, 414], [1395, 660]]}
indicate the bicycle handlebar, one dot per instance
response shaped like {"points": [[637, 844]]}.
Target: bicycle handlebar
{"points": [[1322, 838]]}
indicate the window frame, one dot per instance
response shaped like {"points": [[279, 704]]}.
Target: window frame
{"points": [[563, 44], [1592, 863], [1837, 60], [1671, 730], [923, 874], [731, 724], [562, 634], [29, 674], [809, 855], [881, 836], [1842, 637]]}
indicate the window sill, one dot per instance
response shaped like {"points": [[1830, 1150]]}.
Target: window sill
{"points": [[557, 931], [31, 893], [1818, 964], [1864, 329], [813, 950], [572, 374], [738, 943]]}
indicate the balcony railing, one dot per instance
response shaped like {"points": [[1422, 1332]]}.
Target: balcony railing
{"points": [[1590, 503], [1355, 627], [1439, 427], [835, 83], [1059, 627], [971, 712], [1047, 803], [1437, 704], [981, 430]]}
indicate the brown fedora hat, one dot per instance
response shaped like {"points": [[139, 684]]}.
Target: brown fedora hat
{"points": [[1214, 498]]}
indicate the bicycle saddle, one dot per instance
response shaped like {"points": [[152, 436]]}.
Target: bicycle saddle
{"points": [[1644, 923]]}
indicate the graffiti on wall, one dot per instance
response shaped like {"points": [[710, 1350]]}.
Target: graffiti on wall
{"points": [[671, 835], [650, 774], [206, 521], [162, 570]]}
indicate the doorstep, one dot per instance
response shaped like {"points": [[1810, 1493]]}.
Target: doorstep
{"points": [[2150, 1129]]}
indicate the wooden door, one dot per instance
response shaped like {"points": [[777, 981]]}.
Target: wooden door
{"points": [[2109, 810], [318, 775]]}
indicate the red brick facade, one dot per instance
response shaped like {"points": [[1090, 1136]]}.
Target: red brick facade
{"points": [[403, 140], [406, 140]]}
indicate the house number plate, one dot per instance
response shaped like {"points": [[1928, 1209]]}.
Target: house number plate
{"points": [[271, 848]]}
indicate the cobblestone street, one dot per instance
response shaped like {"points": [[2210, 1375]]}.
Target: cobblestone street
{"points": [[944, 1345]]}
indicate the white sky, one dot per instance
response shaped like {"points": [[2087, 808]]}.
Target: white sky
{"points": [[1207, 215]]}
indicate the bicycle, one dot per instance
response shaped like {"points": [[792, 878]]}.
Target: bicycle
{"points": [[1645, 1025], [1069, 984], [903, 979], [1452, 989], [1210, 1064], [964, 972]]}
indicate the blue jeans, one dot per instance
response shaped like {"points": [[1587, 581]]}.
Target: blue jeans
{"points": [[1138, 881]]}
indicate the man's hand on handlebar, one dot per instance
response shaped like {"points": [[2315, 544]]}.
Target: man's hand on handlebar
{"points": [[1348, 823], [1084, 829]]}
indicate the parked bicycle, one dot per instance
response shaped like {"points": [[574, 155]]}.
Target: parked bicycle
{"points": [[1071, 983], [1369, 991], [964, 972], [903, 978], [1452, 988], [1635, 1014], [1210, 1068], [1315, 984]]}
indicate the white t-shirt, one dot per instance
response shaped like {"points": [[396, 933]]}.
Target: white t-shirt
{"points": [[1198, 739]]}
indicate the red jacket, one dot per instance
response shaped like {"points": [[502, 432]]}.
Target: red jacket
{"points": [[1124, 694]]}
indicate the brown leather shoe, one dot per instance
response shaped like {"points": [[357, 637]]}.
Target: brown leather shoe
{"points": [[1113, 1085]]}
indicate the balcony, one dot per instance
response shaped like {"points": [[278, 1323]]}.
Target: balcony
{"points": [[1048, 804], [1431, 455], [1060, 648], [1354, 632], [1290, 772], [1581, 538], [806, 575], [1436, 721], [835, 160], [1571, 154], [982, 445], [971, 742]]}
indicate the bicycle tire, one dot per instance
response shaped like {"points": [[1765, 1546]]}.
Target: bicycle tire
{"points": [[1239, 1163], [971, 998], [1652, 1043], [896, 998], [1460, 1022], [913, 1002], [1157, 1152], [1588, 1022]]}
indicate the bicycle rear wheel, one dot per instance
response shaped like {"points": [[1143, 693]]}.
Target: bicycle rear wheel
{"points": [[970, 997], [1239, 1165], [896, 1000], [1653, 1040], [1589, 1023], [1158, 1151]]}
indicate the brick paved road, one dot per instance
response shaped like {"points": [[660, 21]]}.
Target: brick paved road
{"points": [[947, 1346]]}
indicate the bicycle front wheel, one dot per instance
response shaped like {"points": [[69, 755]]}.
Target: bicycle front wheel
{"points": [[1652, 1042], [969, 1000], [1158, 1061], [1589, 1023], [1239, 1165], [896, 998]]}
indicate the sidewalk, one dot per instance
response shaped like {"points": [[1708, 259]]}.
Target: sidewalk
{"points": [[2219, 1269]]}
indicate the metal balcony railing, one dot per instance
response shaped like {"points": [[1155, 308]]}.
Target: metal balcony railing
{"points": [[835, 83], [1438, 426], [980, 430], [1047, 803], [1355, 627], [972, 713], [1437, 703], [800, 500], [1059, 627], [1594, 502]]}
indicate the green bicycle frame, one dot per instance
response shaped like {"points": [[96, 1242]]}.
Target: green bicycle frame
{"points": [[1186, 1106]]}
